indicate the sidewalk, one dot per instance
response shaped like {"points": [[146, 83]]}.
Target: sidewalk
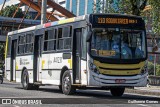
{"points": [[150, 90]]}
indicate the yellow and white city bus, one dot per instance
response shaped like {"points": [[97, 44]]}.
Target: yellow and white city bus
{"points": [[95, 50]]}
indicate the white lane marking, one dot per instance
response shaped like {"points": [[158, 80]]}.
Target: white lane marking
{"points": [[144, 105], [143, 95], [16, 106]]}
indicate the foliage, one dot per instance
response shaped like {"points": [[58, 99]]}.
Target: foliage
{"points": [[134, 7], [155, 5], [151, 69], [157, 70], [8, 11], [119, 6], [138, 6]]}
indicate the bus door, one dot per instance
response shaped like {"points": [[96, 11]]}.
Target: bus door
{"points": [[37, 74], [13, 61], [77, 55]]}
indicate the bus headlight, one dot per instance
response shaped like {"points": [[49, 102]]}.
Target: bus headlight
{"points": [[93, 68], [96, 71]]}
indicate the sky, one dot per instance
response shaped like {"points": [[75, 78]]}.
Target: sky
{"points": [[1, 1]]}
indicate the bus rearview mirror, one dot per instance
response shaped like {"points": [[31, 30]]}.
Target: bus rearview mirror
{"points": [[88, 36]]}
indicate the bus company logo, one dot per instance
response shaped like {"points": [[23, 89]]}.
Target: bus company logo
{"points": [[6, 101], [23, 61]]}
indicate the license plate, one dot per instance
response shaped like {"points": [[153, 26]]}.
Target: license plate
{"points": [[120, 81]]}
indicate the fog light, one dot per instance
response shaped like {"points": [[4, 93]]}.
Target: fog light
{"points": [[96, 70]]}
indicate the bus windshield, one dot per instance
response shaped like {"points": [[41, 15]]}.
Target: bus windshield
{"points": [[118, 43]]}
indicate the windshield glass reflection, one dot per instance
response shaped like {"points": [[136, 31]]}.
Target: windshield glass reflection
{"points": [[118, 43]]}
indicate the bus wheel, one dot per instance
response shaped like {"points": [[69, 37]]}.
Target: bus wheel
{"points": [[67, 87], [25, 81], [117, 91], [35, 87], [1, 80]]}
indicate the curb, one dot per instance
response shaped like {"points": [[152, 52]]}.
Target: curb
{"points": [[144, 92]]}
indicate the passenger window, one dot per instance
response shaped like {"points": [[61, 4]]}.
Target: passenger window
{"points": [[50, 40], [45, 41], [64, 41], [60, 39], [9, 46], [29, 43], [21, 44], [84, 44]]}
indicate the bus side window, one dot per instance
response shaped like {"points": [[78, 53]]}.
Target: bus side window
{"points": [[21, 44], [29, 43], [51, 40], [67, 34], [84, 44], [60, 39], [9, 46], [45, 41], [64, 38]]}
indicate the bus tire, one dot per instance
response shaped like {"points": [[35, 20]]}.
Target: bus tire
{"points": [[1, 80], [25, 80], [35, 87], [67, 87], [117, 91]]}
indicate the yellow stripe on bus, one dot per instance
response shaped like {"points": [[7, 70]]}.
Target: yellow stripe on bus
{"points": [[70, 63], [66, 21], [119, 67], [16, 66], [6, 48], [43, 62]]}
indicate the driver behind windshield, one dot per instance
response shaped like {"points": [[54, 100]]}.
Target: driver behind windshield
{"points": [[126, 51]]}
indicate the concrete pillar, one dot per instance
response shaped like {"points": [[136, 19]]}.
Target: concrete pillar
{"points": [[43, 11], [77, 7], [70, 5], [86, 3]]}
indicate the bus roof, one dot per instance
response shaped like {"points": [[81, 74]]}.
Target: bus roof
{"points": [[48, 24], [63, 22]]}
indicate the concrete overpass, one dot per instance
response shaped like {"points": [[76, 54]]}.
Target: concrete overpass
{"points": [[10, 24]]}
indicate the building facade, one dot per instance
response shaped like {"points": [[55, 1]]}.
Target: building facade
{"points": [[82, 7], [61, 2]]}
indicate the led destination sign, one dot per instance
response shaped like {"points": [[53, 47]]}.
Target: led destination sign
{"points": [[116, 21], [109, 20]]}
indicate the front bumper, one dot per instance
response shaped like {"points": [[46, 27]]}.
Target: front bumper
{"points": [[105, 80]]}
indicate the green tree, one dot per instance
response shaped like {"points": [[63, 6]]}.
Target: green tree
{"points": [[134, 7], [8, 11], [138, 6], [155, 14]]}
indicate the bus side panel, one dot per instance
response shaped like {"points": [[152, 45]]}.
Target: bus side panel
{"points": [[8, 72], [55, 64], [45, 62], [24, 62], [83, 72]]}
